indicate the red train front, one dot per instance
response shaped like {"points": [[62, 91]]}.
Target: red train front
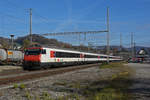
{"points": [[32, 57]]}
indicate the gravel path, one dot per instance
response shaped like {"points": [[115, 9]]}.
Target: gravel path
{"points": [[141, 81]]}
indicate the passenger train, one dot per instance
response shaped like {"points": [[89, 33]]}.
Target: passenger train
{"points": [[44, 57]]}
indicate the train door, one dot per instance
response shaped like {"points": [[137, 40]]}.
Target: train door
{"points": [[82, 57], [44, 56]]}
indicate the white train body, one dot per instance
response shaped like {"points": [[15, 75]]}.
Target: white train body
{"points": [[47, 57]]}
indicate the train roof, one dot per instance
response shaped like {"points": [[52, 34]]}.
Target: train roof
{"points": [[60, 49], [69, 50]]}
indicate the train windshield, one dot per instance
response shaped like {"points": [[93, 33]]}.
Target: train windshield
{"points": [[33, 52]]}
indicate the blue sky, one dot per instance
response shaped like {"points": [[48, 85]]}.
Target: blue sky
{"points": [[126, 16]]}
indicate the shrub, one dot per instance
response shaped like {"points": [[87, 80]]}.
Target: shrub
{"points": [[22, 86], [15, 86]]}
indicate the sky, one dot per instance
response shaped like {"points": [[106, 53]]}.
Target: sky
{"points": [[126, 17]]}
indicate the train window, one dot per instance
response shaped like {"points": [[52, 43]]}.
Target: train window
{"points": [[67, 55], [90, 56], [32, 52], [103, 57], [43, 51]]}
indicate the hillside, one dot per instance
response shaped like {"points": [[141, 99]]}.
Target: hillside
{"points": [[24, 42], [42, 41], [52, 43], [4, 42]]}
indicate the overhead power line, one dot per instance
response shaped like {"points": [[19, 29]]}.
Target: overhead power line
{"points": [[70, 33]]}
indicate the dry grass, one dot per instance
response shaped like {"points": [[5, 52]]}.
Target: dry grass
{"points": [[111, 65]]}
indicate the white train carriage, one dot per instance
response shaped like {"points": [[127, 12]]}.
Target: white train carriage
{"points": [[37, 57]]}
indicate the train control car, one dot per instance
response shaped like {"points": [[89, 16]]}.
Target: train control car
{"points": [[11, 56], [41, 57]]}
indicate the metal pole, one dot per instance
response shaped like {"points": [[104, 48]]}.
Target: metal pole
{"points": [[79, 43], [30, 26], [12, 41], [120, 42], [108, 47], [132, 46], [134, 49]]}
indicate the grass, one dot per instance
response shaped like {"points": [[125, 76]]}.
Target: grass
{"points": [[28, 95], [21, 86], [111, 65], [15, 86], [46, 96]]}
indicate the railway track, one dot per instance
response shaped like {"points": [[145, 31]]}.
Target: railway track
{"points": [[11, 72], [35, 75]]}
